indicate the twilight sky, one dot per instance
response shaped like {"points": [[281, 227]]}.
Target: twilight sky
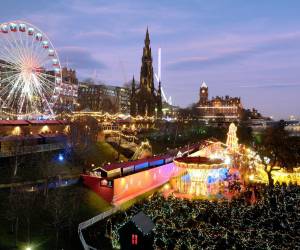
{"points": [[249, 49]]}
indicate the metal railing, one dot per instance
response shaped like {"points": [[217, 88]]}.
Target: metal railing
{"points": [[22, 150], [90, 222]]}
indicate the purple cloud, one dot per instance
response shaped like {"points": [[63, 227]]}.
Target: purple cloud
{"points": [[80, 58]]}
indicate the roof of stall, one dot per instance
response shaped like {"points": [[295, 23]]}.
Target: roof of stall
{"points": [[113, 166], [32, 122], [13, 122], [143, 223], [44, 122]]}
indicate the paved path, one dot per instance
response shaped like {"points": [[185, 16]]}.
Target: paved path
{"points": [[37, 182]]}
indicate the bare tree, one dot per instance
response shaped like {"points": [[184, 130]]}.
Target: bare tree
{"points": [[58, 210], [274, 151], [13, 211], [75, 198], [22, 204], [28, 203], [83, 134]]}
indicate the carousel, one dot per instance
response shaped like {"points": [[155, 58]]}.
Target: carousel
{"points": [[200, 175], [208, 172]]}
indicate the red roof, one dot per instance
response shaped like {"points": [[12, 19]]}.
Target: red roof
{"points": [[19, 122], [33, 122], [4, 122], [198, 159], [13, 122], [43, 122], [113, 166]]}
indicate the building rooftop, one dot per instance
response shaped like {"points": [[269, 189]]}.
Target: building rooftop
{"points": [[13, 122], [113, 166], [203, 85], [43, 122], [143, 223], [31, 122]]}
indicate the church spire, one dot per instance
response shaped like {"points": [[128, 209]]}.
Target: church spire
{"points": [[147, 38], [133, 84], [133, 98]]}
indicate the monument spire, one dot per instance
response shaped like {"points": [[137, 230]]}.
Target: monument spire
{"points": [[133, 98], [147, 38]]}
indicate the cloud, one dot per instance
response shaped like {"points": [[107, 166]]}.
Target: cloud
{"points": [[230, 54], [101, 9], [273, 85], [80, 58], [53, 26], [193, 63], [96, 34]]}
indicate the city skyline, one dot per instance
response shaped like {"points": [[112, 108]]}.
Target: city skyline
{"points": [[240, 49]]}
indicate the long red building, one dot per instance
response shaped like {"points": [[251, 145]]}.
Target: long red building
{"points": [[120, 182]]}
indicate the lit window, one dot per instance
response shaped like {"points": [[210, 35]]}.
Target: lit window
{"points": [[134, 239]]}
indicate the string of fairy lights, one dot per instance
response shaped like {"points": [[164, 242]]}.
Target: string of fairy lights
{"points": [[107, 115], [98, 115]]}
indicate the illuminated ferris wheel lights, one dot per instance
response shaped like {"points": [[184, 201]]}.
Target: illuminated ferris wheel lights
{"points": [[4, 28], [38, 37], [13, 27], [54, 62], [30, 31], [22, 27], [51, 52], [30, 71], [45, 44]]}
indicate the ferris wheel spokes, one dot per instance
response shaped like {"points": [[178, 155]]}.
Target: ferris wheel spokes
{"points": [[30, 71]]}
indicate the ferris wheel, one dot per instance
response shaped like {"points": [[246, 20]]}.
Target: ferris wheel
{"points": [[30, 71]]}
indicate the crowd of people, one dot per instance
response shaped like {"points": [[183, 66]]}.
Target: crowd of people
{"points": [[272, 221]]}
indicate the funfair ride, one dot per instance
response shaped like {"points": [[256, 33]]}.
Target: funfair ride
{"points": [[200, 175], [206, 172], [30, 72]]}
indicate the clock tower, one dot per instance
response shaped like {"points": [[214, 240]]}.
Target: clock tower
{"points": [[203, 94]]}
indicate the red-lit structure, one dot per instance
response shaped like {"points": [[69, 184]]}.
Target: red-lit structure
{"points": [[130, 179], [120, 182]]}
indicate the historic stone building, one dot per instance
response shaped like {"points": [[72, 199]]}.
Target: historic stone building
{"points": [[69, 91], [104, 98], [219, 107], [145, 99]]}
